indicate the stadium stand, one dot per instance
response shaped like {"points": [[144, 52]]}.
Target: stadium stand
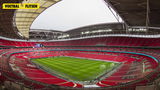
{"points": [[130, 71], [107, 41], [134, 44]]}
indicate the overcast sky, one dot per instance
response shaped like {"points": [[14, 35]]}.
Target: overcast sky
{"points": [[70, 14]]}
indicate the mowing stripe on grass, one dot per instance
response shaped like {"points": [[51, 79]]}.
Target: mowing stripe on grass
{"points": [[76, 68]]}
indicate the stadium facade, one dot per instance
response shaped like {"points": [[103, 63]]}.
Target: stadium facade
{"points": [[134, 44]]}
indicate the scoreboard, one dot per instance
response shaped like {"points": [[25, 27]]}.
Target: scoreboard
{"points": [[37, 45]]}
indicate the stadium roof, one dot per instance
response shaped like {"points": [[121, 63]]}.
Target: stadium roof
{"points": [[25, 17], [138, 12], [6, 21], [16, 23]]}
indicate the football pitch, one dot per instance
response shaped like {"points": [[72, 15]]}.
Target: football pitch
{"points": [[77, 69]]}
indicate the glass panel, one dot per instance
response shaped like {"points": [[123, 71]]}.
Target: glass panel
{"points": [[23, 26], [41, 2], [23, 30], [48, 4], [18, 15], [20, 19], [40, 10]]}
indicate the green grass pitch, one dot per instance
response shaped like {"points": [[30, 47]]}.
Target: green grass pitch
{"points": [[76, 69]]}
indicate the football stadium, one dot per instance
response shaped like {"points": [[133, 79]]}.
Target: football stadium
{"points": [[121, 55]]}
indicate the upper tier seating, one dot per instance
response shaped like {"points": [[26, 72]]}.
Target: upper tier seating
{"points": [[105, 41]]}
